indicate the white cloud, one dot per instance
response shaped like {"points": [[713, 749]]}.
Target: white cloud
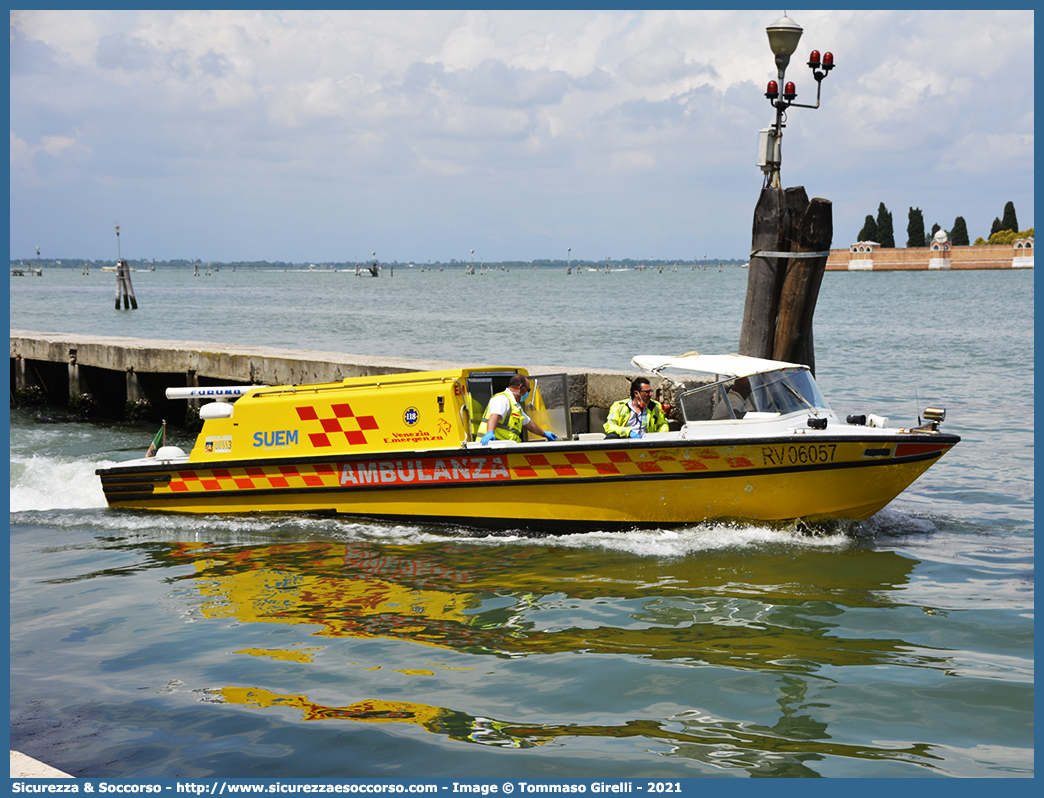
{"points": [[24, 155], [56, 145], [21, 155], [437, 166], [469, 44], [521, 102], [632, 159], [72, 35], [989, 154]]}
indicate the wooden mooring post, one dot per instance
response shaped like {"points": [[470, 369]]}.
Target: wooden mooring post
{"points": [[124, 287], [123, 280], [789, 250]]}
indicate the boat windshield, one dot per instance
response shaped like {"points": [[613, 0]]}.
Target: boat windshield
{"points": [[772, 392]]}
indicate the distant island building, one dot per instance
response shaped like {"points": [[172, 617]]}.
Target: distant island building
{"points": [[866, 256]]}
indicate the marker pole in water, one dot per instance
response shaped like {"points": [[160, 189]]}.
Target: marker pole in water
{"points": [[123, 281]]}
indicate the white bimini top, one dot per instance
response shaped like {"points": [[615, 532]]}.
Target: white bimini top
{"points": [[725, 365]]}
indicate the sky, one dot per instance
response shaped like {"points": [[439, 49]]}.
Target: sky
{"points": [[325, 136]]}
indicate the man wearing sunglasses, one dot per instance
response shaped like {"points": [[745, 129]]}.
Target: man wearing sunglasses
{"points": [[632, 418]]}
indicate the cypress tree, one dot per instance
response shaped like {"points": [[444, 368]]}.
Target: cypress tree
{"points": [[928, 238], [869, 231], [996, 228], [885, 236], [915, 228], [959, 234], [1009, 222]]}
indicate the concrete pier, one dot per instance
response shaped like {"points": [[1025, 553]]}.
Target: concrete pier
{"points": [[25, 767], [113, 375]]}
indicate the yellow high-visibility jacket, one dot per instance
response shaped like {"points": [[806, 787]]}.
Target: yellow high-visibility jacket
{"points": [[620, 412]]}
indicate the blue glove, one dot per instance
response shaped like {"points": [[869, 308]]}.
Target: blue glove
{"points": [[488, 437], [635, 434], [551, 436]]}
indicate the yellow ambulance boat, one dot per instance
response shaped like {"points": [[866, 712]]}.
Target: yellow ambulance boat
{"points": [[752, 439]]}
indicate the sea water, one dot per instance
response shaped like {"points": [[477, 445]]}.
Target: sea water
{"points": [[149, 645]]}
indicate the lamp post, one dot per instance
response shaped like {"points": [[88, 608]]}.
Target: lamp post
{"points": [[784, 35]]}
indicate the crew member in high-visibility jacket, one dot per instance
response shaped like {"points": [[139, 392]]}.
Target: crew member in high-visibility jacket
{"points": [[632, 418], [504, 417]]}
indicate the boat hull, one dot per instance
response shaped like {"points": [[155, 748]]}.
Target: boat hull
{"points": [[555, 487]]}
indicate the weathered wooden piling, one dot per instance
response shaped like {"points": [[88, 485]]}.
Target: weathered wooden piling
{"points": [[124, 287], [789, 249], [797, 303], [764, 278]]}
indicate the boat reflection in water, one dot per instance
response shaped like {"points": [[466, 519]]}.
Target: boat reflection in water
{"points": [[772, 613], [693, 734]]}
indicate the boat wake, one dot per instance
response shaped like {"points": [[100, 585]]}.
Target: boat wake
{"points": [[39, 482], [680, 541]]}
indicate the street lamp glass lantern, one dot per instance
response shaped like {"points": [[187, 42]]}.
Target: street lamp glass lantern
{"points": [[784, 35]]}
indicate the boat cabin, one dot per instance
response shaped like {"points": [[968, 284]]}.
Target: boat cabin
{"points": [[732, 387], [444, 409], [387, 413]]}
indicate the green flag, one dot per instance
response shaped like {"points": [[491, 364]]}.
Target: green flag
{"points": [[155, 444]]}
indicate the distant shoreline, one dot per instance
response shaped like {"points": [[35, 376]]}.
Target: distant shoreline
{"points": [[146, 264]]}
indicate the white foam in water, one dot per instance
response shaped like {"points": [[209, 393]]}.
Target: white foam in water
{"points": [[655, 543], [703, 537], [44, 483], [680, 542]]}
